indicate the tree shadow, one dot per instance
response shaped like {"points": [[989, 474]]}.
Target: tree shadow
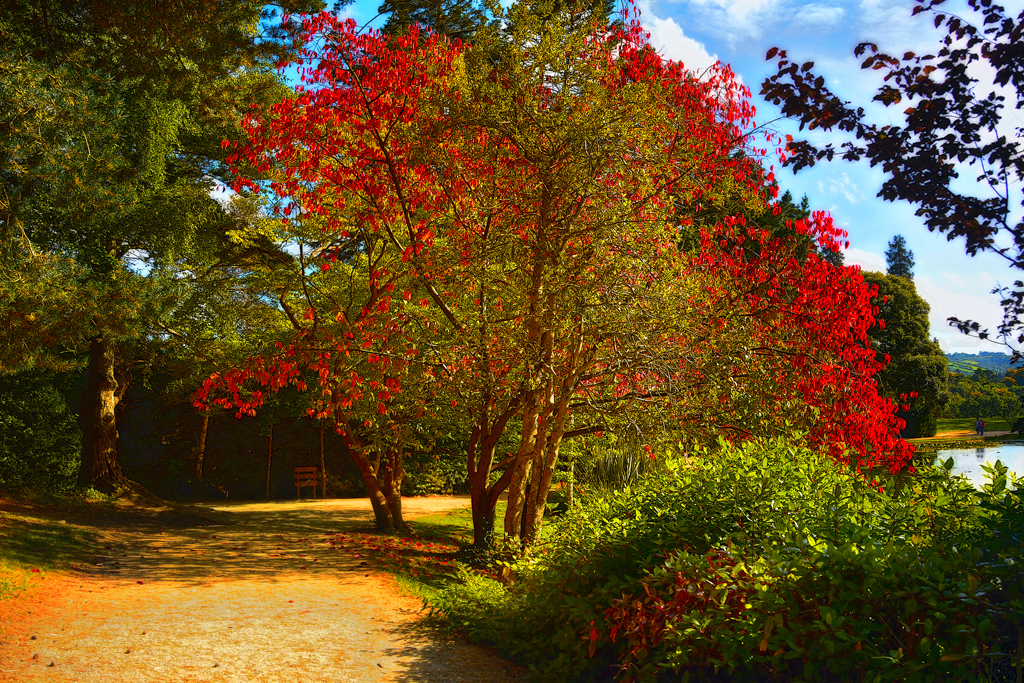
{"points": [[264, 541], [236, 545], [432, 654]]}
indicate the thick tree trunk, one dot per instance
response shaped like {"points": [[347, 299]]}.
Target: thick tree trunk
{"points": [[543, 470], [483, 520], [323, 468], [546, 444], [478, 463], [537, 349], [394, 473], [270, 458], [378, 501], [521, 469], [98, 421], [483, 495], [201, 447]]}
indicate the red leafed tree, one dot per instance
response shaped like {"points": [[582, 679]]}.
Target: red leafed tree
{"points": [[513, 211], [802, 359], [333, 153], [351, 352]]}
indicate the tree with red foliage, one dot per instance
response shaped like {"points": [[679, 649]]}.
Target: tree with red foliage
{"points": [[509, 217], [353, 341], [800, 327]]}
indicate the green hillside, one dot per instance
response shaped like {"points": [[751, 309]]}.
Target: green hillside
{"points": [[966, 363]]}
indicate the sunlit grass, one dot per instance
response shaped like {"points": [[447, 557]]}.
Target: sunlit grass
{"points": [[13, 579], [455, 524], [427, 556], [32, 545], [956, 424]]}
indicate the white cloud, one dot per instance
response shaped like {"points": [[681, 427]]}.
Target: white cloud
{"points": [[815, 16], [739, 10], [954, 296], [735, 21], [891, 24], [949, 295], [865, 259], [669, 40], [843, 185]]}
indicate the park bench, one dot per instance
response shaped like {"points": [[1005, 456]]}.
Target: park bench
{"points": [[305, 476]]}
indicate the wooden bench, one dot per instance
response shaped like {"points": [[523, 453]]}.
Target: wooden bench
{"points": [[305, 476]]}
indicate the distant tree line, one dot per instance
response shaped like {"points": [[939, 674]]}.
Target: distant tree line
{"points": [[985, 393]]}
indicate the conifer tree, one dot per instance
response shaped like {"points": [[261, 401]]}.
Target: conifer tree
{"points": [[899, 260], [112, 116], [453, 18]]}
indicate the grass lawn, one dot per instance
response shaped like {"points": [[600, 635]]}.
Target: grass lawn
{"points": [[455, 524], [31, 545], [428, 555], [992, 424]]}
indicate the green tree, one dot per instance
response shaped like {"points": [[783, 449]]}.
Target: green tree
{"points": [[39, 439], [899, 260], [509, 237], [984, 393], [453, 18], [916, 364], [988, 400], [113, 183]]}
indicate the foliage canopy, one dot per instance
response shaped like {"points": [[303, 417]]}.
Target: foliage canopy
{"points": [[954, 125]]}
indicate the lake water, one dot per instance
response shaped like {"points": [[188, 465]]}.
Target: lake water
{"points": [[969, 460]]}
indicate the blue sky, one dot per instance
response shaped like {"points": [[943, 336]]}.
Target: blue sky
{"points": [[739, 32]]}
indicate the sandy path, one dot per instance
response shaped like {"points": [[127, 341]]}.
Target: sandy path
{"points": [[963, 434], [266, 598]]}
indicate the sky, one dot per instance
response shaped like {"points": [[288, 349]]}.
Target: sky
{"points": [[740, 32]]}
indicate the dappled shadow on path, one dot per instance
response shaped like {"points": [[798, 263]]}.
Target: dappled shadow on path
{"points": [[261, 592], [428, 654], [264, 541]]}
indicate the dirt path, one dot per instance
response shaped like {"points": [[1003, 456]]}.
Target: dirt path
{"points": [[273, 594], [964, 434]]}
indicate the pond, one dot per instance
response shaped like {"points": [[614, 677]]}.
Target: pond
{"points": [[969, 460]]}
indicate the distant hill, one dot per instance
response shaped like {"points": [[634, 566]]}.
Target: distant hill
{"points": [[965, 363]]}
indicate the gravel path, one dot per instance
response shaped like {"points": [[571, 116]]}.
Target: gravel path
{"points": [[265, 597]]}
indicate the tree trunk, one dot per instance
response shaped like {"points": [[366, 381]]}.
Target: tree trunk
{"points": [[570, 496], [98, 421], [538, 455], [521, 469], [480, 457], [270, 457], [543, 469], [201, 447], [483, 520], [323, 468], [378, 501], [394, 473]]}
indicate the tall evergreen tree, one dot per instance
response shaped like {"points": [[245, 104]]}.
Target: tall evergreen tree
{"points": [[916, 374], [899, 260], [453, 18], [111, 118]]}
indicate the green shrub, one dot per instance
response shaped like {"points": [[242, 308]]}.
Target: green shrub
{"points": [[434, 474], [765, 562], [40, 443]]}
